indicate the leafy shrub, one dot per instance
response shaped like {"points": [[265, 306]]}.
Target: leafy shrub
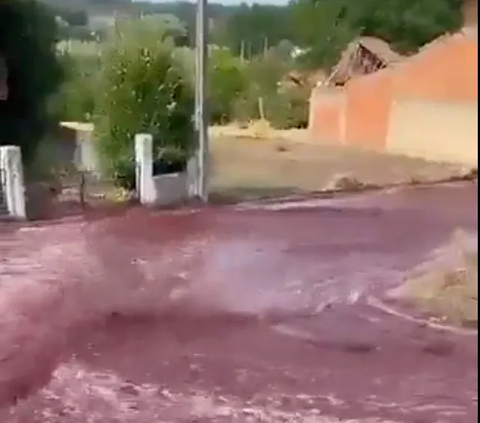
{"points": [[245, 108], [288, 109], [124, 174], [265, 72], [262, 98], [143, 87]]}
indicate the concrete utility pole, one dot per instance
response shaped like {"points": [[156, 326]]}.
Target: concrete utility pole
{"points": [[201, 116]]}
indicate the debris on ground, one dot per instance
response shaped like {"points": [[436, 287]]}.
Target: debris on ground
{"points": [[344, 182], [447, 285]]}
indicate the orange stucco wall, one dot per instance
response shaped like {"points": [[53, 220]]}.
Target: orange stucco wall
{"points": [[367, 109], [444, 72], [328, 105]]}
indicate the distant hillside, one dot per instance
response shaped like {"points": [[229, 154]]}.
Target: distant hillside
{"points": [[80, 5], [85, 16], [128, 6], [70, 9]]}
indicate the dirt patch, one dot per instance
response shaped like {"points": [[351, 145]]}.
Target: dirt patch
{"points": [[260, 129], [248, 167], [447, 284]]}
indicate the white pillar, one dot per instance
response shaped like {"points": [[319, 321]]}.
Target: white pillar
{"points": [[144, 168], [14, 187], [192, 176]]}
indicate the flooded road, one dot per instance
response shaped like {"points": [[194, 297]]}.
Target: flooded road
{"points": [[255, 313]]}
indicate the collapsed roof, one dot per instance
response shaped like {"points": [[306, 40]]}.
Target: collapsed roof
{"points": [[362, 56]]}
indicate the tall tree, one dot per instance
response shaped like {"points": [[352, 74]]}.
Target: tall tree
{"points": [[326, 26], [251, 30], [322, 28], [28, 35], [407, 24]]}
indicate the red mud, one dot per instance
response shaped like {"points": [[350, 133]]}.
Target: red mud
{"points": [[229, 315]]}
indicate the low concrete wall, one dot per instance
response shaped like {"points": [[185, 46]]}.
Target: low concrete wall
{"points": [[161, 190], [170, 189], [82, 143], [87, 157], [441, 131]]}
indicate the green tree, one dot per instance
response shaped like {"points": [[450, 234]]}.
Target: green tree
{"points": [[75, 99], [325, 27], [227, 82], [263, 75], [321, 27], [28, 34], [284, 50], [407, 24], [143, 87], [251, 30]]}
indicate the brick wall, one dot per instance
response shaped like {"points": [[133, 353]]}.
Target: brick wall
{"points": [[445, 70], [435, 102], [367, 109], [383, 111], [327, 108]]}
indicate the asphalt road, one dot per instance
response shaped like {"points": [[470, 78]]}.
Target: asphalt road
{"points": [[258, 313]]}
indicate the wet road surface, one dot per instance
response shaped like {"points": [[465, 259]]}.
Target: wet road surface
{"points": [[257, 313]]}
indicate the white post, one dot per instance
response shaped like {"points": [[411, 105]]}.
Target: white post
{"points": [[11, 163], [144, 168]]}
